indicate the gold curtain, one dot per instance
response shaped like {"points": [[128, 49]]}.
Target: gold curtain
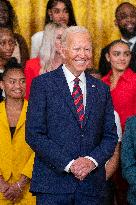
{"points": [[96, 15]]}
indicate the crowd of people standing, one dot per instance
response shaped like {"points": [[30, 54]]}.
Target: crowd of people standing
{"points": [[66, 136]]}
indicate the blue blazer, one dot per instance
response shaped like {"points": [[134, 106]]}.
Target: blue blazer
{"points": [[53, 132]]}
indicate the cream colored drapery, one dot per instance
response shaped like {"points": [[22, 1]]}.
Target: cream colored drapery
{"points": [[96, 15]]}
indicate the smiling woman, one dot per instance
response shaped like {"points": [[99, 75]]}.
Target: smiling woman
{"points": [[122, 80], [16, 157], [13, 82]]}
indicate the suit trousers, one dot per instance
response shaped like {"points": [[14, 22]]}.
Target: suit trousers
{"points": [[77, 198]]}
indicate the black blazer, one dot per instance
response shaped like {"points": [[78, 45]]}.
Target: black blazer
{"points": [[104, 65]]}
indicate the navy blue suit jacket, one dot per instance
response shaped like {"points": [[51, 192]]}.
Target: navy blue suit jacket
{"points": [[53, 132]]}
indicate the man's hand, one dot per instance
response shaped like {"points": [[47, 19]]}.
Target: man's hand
{"points": [[81, 167]]}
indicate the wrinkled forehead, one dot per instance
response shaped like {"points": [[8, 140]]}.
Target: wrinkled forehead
{"points": [[78, 37]]}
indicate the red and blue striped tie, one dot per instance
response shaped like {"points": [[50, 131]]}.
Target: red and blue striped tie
{"points": [[78, 100]]}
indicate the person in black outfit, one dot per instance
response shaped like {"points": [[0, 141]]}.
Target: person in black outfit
{"points": [[125, 19]]}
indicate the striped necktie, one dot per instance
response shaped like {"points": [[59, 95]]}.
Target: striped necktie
{"points": [[78, 100]]}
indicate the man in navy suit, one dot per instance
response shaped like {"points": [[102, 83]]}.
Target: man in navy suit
{"points": [[125, 20], [71, 149]]}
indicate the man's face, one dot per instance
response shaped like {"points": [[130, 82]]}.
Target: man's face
{"points": [[77, 53], [126, 21]]}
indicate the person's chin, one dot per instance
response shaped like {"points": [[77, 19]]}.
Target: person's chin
{"points": [[63, 23], [121, 69], [128, 33]]}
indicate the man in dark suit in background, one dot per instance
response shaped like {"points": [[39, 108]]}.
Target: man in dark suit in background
{"points": [[70, 126], [125, 15]]}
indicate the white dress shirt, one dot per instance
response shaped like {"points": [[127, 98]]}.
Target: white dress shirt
{"points": [[131, 40], [70, 80], [82, 83]]}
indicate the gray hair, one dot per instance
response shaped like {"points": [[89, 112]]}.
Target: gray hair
{"points": [[73, 29], [47, 49]]}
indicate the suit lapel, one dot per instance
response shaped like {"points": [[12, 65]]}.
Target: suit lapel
{"points": [[61, 82], [134, 48], [21, 119], [91, 98], [91, 95]]}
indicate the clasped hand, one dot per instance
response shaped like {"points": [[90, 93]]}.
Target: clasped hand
{"points": [[81, 167], [13, 193]]}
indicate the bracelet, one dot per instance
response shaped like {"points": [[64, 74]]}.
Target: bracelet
{"points": [[19, 187]]}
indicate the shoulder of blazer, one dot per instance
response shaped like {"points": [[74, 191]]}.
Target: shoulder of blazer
{"points": [[50, 75], [2, 105]]}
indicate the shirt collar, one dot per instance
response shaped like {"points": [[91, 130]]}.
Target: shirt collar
{"points": [[1, 70], [131, 40], [70, 77]]}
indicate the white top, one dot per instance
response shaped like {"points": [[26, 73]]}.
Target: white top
{"points": [[36, 41], [131, 40], [118, 124]]}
